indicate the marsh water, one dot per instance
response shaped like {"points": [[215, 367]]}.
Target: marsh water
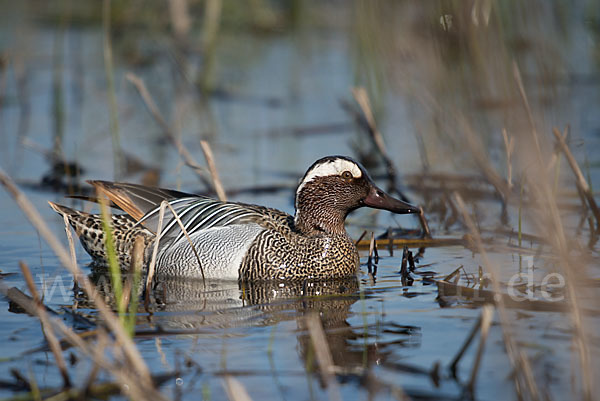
{"points": [[267, 94]]}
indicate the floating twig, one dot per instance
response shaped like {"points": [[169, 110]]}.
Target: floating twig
{"points": [[411, 242]]}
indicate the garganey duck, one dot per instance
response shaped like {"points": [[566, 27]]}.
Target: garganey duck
{"points": [[241, 241]]}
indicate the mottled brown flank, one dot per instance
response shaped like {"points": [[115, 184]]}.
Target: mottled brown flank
{"points": [[88, 228]]}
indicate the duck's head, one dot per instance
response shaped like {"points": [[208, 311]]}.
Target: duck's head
{"points": [[333, 187]]}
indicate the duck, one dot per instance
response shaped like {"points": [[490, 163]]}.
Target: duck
{"points": [[233, 240]]}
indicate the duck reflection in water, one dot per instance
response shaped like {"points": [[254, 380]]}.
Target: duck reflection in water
{"points": [[190, 307]]}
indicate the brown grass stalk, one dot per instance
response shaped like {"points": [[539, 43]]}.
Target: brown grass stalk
{"points": [[362, 98], [509, 146], [152, 265], [581, 182], [487, 312], [524, 374], [123, 374], [552, 223], [47, 329], [70, 239], [212, 167], [323, 355], [534, 133], [135, 269], [424, 224], [187, 236], [360, 238], [180, 18], [129, 349], [235, 389], [101, 343], [175, 141]]}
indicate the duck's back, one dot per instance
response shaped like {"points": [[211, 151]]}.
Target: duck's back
{"points": [[221, 233]]}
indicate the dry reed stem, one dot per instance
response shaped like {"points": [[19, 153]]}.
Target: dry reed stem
{"points": [[482, 160], [487, 312], [180, 18], [175, 141], [581, 182], [135, 267], [137, 255], [70, 239], [112, 99], [152, 265], [524, 374], [360, 238], [47, 329], [509, 146], [424, 224], [473, 144], [323, 355], [362, 98], [470, 337], [534, 133], [235, 389], [212, 167], [133, 357], [544, 196], [187, 236], [101, 343], [151, 268], [126, 376]]}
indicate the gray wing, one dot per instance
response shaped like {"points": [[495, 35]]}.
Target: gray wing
{"points": [[197, 214]]}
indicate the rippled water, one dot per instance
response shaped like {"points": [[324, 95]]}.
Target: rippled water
{"points": [[274, 110]]}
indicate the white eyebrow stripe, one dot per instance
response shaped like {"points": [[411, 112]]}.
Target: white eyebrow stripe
{"points": [[332, 167]]}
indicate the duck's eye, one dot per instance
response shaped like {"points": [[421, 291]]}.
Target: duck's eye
{"points": [[347, 175]]}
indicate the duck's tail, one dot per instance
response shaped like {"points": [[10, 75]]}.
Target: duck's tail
{"points": [[88, 228]]}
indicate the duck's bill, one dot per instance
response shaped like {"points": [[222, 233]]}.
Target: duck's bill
{"points": [[380, 200]]}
